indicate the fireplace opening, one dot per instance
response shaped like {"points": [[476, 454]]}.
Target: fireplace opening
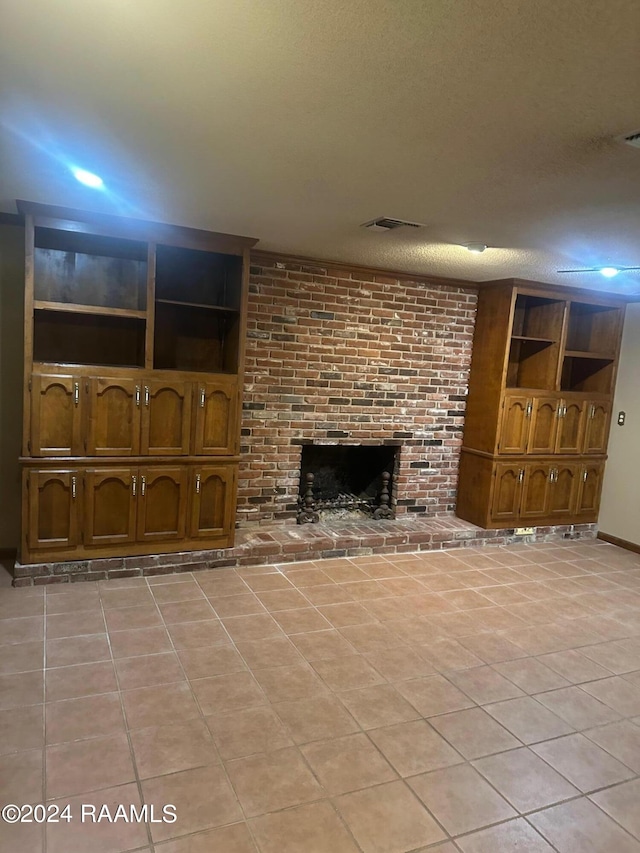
{"points": [[346, 481]]}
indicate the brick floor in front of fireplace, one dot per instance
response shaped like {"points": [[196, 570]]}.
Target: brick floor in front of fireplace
{"points": [[476, 700]]}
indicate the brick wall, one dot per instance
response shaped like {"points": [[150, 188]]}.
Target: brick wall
{"points": [[337, 356]]}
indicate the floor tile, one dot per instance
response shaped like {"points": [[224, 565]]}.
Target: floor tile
{"points": [[347, 613], [159, 706], [621, 803], [433, 695], [319, 718], [207, 662], [89, 716], [222, 693], [69, 682], [22, 657], [577, 707], [286, 683], [168, 749], [582, 762], [74, 650], [447, 655], [203, 799], [523, 779], [196, 635], [618, 693], [474, 733], [315, 828], [580, 826], [271, 781], [512, 835], [347, 764], [460, 799], [21, 777], [148, 670], [22, 688], [388, 819], [88, 765], [248, 731], [273, 651], [139, 641], [400, 664], [135, 597], [129, 618], [25, 729], [347, 673], [528, 720], [301, 621], [175, 612], [235, 838], [414, 747], [531, 675], [78, 836], [380, 705], [622, 740], [280, 599], [322, 645], [484, 685]]}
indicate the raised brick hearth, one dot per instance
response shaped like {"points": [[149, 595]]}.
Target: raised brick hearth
{"points": [[336, 356], [277, 543]]}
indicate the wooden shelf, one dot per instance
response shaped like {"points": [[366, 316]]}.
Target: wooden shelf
{"points": [[219, 308], [535, 340], [598, 356], [98, 310]]}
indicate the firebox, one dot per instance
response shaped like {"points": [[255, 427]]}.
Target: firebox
{"points": [[346, 481]]}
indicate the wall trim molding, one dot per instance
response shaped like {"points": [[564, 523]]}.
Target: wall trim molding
{"points": [[621, 543]]}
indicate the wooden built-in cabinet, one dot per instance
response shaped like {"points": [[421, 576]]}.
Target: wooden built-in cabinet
{"points": [[539, 405], [134, 351]]}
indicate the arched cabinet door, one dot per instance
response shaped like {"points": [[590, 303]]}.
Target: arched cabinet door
{"points": [[55, 415], [51, 509], [162, 503], [114, 416], [507, 492], [216, 406], [212, 501], [597, 426], [570, 426], [514, 428], [544, 422], [589, 489], [564, 488], [166, 417], [535, 490], [110, 506]]}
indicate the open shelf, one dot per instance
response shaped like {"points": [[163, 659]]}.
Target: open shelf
{"points": [[602, 356], [532, 363], [182, 304], [588, 374], [537, 318], [188, 338], [194, 277], [71, 308], [531, 338], [72, 267], [592, 329], [77, 338]]}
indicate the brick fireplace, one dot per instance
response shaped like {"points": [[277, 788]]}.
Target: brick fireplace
{"points": [[339, 356]]}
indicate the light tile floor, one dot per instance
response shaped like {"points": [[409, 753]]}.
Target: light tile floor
{"points": [[471, 700]]}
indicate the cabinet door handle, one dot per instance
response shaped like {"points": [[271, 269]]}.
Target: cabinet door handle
{"points": [[521, 475], [76, 393], [74, 484], [584, 476], [555, 475], [592, 411], [529, 409], [143, 485], [146, 395], [138, 396], [134, 486], [551, 475], [197, 484], [202, 398]]}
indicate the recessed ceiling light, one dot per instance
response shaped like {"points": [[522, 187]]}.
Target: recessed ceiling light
{"points": [[476, 248], [609, 272], [88, 178]]}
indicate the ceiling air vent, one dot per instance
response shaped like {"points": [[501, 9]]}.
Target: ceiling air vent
{"points": [[385, 223], [632, 139]]}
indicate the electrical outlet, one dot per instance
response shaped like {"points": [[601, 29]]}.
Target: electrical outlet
{"points": [[621, 417], [524, 531]]}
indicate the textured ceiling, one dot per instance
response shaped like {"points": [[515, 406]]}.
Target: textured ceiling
{"points": [[294, 121]]}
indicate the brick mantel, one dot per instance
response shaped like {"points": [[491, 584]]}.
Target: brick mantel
{"points": [[337, 354]]}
